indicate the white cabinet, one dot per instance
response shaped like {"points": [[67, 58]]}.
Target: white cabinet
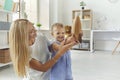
{"points": [[5, 21], [7, 10], [86, 25], [4, 64]]}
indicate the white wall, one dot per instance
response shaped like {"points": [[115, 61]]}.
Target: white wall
{"points": [[31, 10], [103, 10], [56, 10], [105, 15]]}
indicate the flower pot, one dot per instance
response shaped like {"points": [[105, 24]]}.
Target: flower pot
{"points": [[83, 7]]}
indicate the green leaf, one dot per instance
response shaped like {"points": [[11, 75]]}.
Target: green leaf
{"points": [[82, 3], [38, 25]]}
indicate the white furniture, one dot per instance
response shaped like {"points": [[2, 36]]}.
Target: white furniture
{"points": [[5, 64], [4, 44], [102, 35], [86, 25], [7, 16], [4, 29]]}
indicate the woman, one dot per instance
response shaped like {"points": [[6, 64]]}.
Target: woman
{"points": [[21, 36]]}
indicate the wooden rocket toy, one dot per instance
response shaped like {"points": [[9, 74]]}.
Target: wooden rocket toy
{"points": [[76, 29]]}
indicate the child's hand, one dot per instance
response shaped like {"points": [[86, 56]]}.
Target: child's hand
{"points": [[71, 39], [67, 46], [80, 37]]}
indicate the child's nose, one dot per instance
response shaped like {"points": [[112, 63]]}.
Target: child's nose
{"points": [[61, 34]]}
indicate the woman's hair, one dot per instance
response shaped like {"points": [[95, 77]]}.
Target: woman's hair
{"points": [[19, 46], [56, 25]]}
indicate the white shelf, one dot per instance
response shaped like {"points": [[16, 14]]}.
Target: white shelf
{"points": [[85, 38], [5, 46], [4, 30], [5, 64], [85, 19], [86, 29], [86, 24], [5, 11]]}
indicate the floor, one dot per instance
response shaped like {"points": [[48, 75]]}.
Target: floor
{"points": [[100, 65]]}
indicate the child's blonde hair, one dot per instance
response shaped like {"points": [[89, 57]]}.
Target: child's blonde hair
{"points": [[56, 25], [19, 47]]}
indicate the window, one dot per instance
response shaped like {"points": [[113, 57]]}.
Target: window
{"points": [[16, 14], [38, 11], [31, 10]]}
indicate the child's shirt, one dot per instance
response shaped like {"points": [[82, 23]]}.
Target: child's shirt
{"points": [[62, 69]]}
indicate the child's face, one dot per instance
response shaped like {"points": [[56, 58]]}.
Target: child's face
{"points": [[58, 33]]}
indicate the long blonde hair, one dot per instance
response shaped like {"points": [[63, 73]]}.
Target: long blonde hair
{"points": [[19, 47]]}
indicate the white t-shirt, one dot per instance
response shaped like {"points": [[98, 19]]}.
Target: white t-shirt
{"points": [[40, 52]]}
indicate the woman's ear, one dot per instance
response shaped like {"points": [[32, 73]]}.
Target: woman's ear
{"points": [[52, 33]]}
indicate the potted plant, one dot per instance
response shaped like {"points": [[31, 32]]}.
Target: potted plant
{"points": [[82, 4], [38, 25]]}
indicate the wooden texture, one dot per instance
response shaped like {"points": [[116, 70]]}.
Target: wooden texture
{"points": [[4, 56], [76, 29]]}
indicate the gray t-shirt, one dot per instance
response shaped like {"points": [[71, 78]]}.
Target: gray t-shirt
{"points": [[40, 52], [40, 49]]}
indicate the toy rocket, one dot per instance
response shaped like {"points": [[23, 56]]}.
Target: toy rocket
{"points": [[76, 29]]}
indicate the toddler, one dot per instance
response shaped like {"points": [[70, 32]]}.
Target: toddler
{"points": [[62, 69]]}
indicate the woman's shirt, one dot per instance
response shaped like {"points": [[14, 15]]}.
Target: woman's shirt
{"points": [[40, 52]]}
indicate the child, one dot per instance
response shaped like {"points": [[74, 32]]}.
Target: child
{"points": [[62, 69]]}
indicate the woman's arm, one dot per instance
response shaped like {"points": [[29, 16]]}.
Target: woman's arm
{"points": [[44, 67], [68, 40]]}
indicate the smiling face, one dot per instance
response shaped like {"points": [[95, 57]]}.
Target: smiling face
{"points": [[58, 33], [32, 33]]}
